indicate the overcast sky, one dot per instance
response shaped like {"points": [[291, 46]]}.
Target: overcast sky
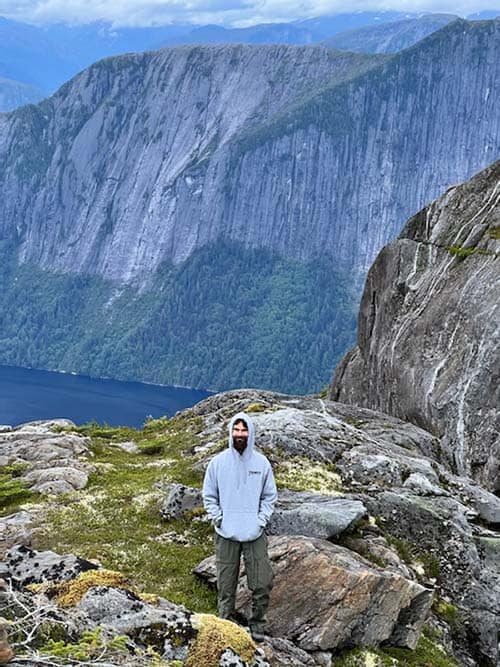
{"points": [[225, 12]]}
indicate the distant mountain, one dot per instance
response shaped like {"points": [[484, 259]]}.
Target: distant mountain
{"points": [[389, 37], [271, 33], [306, 31], [323, 27], [14, 94], [46, 57], [168, 213]]}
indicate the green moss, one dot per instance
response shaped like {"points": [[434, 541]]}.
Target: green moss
{"points": [[214, 636], [494, 232], [462, 253], [255, 407], [428, 653], [13, 490], [116, 519], [301, 474], [69, 593], [447, 612], [91, 645]]}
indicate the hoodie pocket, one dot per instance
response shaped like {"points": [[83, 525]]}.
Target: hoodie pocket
{"points": [[240, 525]]}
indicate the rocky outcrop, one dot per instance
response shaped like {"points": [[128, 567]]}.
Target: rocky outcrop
{"points": [[114, 614], [44, 460], [142, 159], [327, 597], [429, 329], [51, 462], [425, 524]]}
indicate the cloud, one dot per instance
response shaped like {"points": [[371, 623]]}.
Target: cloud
{"points": [[228, 12]]}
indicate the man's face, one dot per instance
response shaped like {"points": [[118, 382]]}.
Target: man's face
{"points": [[240, 436]]}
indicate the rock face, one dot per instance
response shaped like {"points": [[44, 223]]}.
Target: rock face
{"points": [[141, 159], [429, 329], [327, 597]]}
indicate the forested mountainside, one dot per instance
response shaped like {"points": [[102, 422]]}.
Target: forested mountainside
{"points": [[429, 329], [142, 161]]}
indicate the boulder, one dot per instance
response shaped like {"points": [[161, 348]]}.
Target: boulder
{"points": [[314, 515], [326, 597], [180, 499], [14, 529], [123, 612], [26, 566]]}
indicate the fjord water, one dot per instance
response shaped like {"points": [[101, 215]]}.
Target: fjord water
{"points": [[28, 395]]}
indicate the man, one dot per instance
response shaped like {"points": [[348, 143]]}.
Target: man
{"points": [[239, 493]]}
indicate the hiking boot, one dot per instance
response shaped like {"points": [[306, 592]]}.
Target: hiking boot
{"points": [[258, 631]]}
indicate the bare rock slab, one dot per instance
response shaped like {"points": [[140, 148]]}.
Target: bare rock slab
{"points": [[326, 597], [314, 515]]}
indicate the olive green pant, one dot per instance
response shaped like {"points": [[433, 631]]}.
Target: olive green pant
{"points": [[258, 569]]}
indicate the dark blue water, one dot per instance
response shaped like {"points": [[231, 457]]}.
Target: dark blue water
{"points": [[27, 395]]}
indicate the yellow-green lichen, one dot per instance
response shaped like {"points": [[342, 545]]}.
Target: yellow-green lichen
{"points": [[301, 474], [69, 593], [255, 407], [214, 636]]}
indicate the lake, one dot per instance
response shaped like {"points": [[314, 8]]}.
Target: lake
{"points": [[28, 395]]}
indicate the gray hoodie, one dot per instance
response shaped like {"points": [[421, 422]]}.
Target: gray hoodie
{"points": [[239, 491]]}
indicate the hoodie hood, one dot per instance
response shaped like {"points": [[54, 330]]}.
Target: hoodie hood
{"points": [[251, 434]]}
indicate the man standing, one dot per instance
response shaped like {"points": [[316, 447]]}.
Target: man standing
{"points": [[239, 493]]}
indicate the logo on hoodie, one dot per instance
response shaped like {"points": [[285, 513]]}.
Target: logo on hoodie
{"points": [[255, 472]]}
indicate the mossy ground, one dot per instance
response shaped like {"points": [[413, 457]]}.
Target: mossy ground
{"points": [[428, 653], [300, 474], [13, 491], [116, 519]]}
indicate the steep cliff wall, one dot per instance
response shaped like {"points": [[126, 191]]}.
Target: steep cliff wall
{"points": [[145, 158], [429, 328]]}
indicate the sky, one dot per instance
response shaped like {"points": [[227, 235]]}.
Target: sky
{"points": [[238, 13]]}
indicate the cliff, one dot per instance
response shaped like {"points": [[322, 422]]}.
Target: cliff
{"points": [[429, 329], [145, 158]]}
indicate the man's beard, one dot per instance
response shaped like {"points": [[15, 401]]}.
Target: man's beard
{"points": [[240, 443]]}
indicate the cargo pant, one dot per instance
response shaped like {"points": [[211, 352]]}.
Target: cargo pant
{"points": [[259, 575]]}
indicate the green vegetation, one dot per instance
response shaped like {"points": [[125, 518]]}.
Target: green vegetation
{"points": [[13, 491], [215, 635], [228, 317], [462, 253], [448, 612], [494, 232], [301, 474], [117, 521], [410, 553], [428, 653], [91, 645]]}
